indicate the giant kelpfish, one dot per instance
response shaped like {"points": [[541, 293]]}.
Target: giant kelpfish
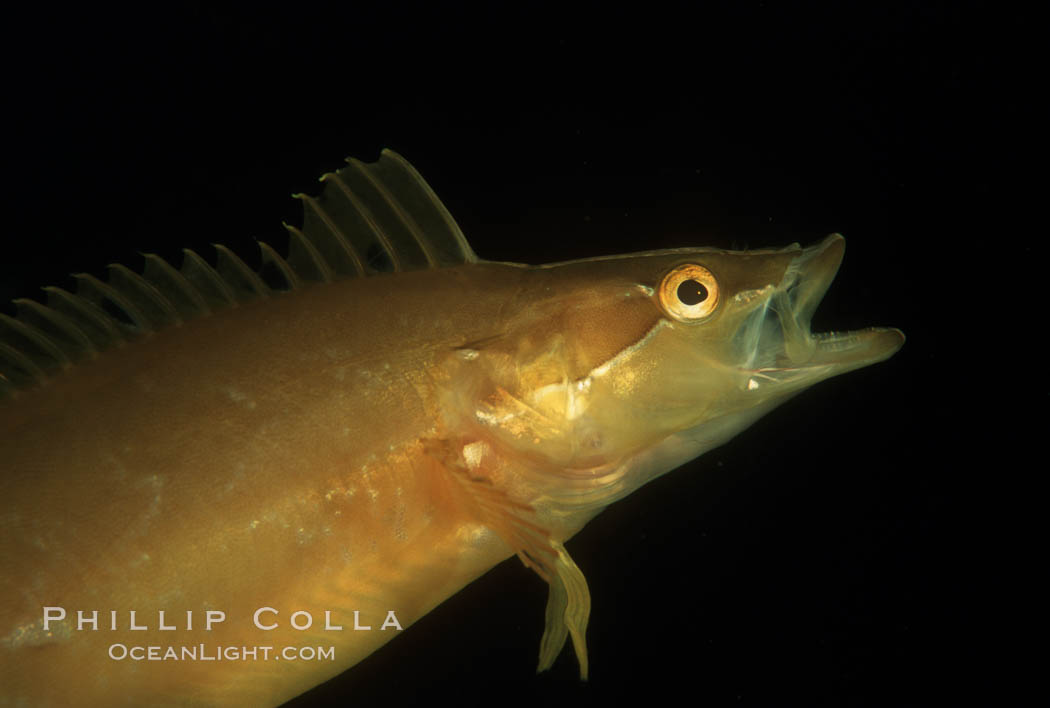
{"points": [[209, 458]]}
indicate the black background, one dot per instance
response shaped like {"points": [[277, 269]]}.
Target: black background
{"points": [[828, 555]]}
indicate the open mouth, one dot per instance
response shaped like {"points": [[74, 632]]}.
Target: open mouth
{"points": [[783, 349]]}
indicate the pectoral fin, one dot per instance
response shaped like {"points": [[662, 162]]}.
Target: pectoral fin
{"points": [[569, 601], [568, 609]]}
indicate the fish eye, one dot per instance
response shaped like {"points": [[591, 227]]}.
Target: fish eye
{"points": [[689, 293]]}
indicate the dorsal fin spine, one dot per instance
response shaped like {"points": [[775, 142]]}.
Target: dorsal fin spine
{"points": [[131, 284], [234, 271], [173, 285], [23, 362], [37, 338], [50, 322], [399, 211], [369, 218], [466, 251], [271, 256], [199, 273], [355, 257], [97, 323], [95, 291], [299, 245]]}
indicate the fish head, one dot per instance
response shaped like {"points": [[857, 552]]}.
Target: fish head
{"points": [[622, 368]]}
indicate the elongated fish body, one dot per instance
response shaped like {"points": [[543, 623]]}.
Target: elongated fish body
{"points": [[194, 460]]}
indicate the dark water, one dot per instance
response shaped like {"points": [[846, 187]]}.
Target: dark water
{"points": [[816, 559]]}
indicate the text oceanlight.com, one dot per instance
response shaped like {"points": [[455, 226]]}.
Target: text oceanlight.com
{"points": [[202, 652]]}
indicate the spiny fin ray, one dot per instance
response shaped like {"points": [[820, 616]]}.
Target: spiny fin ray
{"points": [[57, 328], [100, 329], [206, 281], [369, 219], [145, 295], [175, 288]]}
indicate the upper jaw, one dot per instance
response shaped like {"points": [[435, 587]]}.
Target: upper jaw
{"points": [[803, 357]]}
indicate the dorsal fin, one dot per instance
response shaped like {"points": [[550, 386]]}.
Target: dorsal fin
{"points": [[370, 219], [381, 217]]}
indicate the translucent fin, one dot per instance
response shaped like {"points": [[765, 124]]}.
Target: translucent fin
{"points": [[156, 308], [120, 308], [58, 328], [569, 601], [276, 272], [325, 231], [370, 219], [32, 341], [100, 329], [19, 369], [243, 282], [185, 299], [422, 211], [207, 282], [568, 609], [384, 218], [305, 259]]}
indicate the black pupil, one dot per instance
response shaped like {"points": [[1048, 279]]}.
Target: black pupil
{"points": [[691, 292]]}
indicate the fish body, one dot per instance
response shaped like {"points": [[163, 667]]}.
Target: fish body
{"points": [[360, 447]]}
